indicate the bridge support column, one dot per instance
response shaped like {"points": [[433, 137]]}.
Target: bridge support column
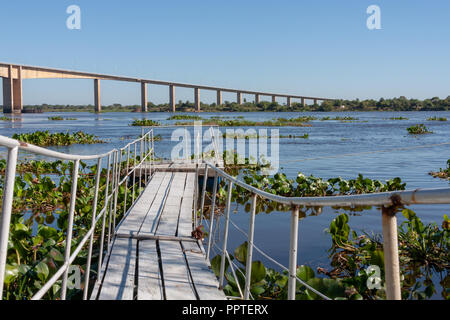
{"points": [[172, 97], [303, 102], [274, 99], [315, 101], [143, 97], [257, 100], [97, 102], [219, 97], [288, 101], [197, 99], [12, 93], [239, 98]]}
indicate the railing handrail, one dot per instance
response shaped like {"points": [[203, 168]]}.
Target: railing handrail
{"points": [[417, 196], [389, 226], [112, 185], [11, 143]]}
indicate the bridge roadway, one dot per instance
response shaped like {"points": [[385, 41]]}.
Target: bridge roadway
{"points": [[153, 256], [13, 74]]}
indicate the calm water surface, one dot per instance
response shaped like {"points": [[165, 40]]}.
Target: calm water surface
{"points": [[371, 132]]}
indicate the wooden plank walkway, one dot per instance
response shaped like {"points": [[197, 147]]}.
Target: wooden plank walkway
{"points": [[148, 269]]}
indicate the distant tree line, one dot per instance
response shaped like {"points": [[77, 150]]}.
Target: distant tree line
{"points": [[394, 104]]}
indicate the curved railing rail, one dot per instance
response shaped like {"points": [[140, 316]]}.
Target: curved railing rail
{"points": [[115, 178], [384, 199]]}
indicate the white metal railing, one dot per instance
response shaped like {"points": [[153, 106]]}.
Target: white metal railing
{"points": [[115, 178], [387, 201]]}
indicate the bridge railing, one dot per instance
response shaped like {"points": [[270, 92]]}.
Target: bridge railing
{"points": [[387, 201], [119, 172]]}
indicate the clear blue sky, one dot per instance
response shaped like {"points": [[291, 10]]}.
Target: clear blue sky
{"points": [[316, 48]]}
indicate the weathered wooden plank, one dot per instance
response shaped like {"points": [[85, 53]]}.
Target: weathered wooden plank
{"points": [[169, 218], [177, 282], [150, 285], [205, 282], [185, 221], [136, 216], [118, 283], [150, 222]]}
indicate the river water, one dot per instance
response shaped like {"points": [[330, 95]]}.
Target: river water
{"points": [[324, 154]]}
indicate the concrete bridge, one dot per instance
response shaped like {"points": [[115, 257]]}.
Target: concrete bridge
{"points": [[13, 75]]}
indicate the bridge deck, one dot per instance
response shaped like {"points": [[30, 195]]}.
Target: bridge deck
{"points": [[143, 263]]}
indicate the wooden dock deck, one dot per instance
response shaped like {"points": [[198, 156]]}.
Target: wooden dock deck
{"points": [[153, 256]]}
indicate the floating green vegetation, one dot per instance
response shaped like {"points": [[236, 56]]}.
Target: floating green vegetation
{"points": [[255, 136], [8, 119], [280, 122], [45, 138], [58, 118], [145, 123], [437, 119], [418, 129], [442, 173], [298, 119], [423, 249], [338, 118], [397, 118], [39, 220], [185, 117], [291, 136]]}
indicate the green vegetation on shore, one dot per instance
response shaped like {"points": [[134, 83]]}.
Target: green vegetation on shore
{"points": [[394, 104], [45, 138]]}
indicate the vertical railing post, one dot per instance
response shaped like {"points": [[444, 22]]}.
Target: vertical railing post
{"points": [[73, 196], [116, 190], [8, 194], [195, 195], [293, 249], [211, 216], [205, 180], [105, 209], [126, 181], [111, 199], [146, 159], [391, 259], [134, 173], [152, 152], [251, 234], [225, 234], [91, 239], [140, 168]]}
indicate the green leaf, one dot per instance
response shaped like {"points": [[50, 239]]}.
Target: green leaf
{"points": [[377, 258], [241, 253], [47, 232], [258, 272], [42, 271], [215, 264], [305, 273], [11, 273]]}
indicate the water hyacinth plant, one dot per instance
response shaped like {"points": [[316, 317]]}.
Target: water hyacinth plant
{"points": [[418, 129], [144, 123], [45, 138]]}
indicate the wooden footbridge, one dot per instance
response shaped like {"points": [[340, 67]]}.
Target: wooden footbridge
{"points": [[153, 252], [154, 256]]}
